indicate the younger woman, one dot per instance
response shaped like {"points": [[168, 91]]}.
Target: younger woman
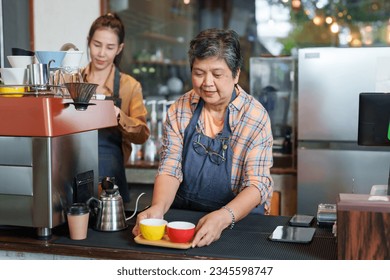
{"points": [[105, 43]]}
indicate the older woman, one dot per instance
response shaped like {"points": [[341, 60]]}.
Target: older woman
{"points": [[217, 144]]}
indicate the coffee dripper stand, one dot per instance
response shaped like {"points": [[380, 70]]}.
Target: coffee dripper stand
{"points": [[63, 75]]}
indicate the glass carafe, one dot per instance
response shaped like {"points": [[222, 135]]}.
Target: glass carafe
{"points": [[66, 75]]}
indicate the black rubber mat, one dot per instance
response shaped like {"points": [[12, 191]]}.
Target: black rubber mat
{"points": [[248, 240], [244, 245]]}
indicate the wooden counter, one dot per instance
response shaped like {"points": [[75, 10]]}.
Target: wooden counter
{"points": [[363, 227], [142, 164]]}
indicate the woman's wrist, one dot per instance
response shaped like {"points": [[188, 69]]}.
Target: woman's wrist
{"points": [[232, 216], [159, 208]]}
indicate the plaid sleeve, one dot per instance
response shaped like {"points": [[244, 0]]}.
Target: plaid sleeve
{"points": [[252, 146]]}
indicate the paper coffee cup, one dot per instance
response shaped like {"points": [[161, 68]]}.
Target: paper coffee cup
{"points": [[78, 217]]}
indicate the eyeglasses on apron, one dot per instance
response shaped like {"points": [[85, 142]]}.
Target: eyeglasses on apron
{"points": [[215, 157]]}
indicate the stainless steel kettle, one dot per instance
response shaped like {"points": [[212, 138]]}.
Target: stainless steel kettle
{"points": [[108, 212]]}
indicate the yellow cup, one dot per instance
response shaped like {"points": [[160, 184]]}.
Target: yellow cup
{"points": [[12, 91], [153, 229]]}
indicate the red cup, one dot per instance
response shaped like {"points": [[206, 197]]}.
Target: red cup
{"points": [[180, 232]]}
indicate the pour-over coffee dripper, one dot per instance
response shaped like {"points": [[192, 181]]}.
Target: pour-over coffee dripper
{"points": [[81, 94], [45, 56]]}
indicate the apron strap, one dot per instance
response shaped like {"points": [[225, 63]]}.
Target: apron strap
{"points": [[117, 99]]}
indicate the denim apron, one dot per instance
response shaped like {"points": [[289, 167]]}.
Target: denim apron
{"points": [[110, 150], [207, 167]]}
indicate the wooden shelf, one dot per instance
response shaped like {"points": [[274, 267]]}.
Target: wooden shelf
{"points": [[163, 63], [161, 37], [142, 164]]}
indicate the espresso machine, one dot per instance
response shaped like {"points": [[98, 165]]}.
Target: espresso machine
{"points": [[48, 158]]}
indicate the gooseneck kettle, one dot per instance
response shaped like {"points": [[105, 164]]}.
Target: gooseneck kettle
{"points": [[108, 213]]}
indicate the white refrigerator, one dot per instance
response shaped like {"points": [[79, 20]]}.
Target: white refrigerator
{"points": [[329, 161]]}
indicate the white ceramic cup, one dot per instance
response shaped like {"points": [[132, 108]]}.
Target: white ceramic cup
{"points": [[14, 76]]}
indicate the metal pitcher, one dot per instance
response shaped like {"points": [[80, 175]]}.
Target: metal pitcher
{"points": [[38, 75], [108, 212]]}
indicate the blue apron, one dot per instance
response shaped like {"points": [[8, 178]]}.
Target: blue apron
{"points": [[110, 150], [207, 167]]}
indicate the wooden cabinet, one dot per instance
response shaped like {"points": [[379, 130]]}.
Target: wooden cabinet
{"points": [[363, 228]]}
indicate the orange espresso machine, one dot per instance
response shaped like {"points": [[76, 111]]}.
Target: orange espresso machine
{"points": [[48, 158]]}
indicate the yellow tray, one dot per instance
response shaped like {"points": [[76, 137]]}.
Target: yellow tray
{"points": [[164, 242]]}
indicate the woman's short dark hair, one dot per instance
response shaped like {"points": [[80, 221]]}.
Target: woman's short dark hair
{"points": [[112, 21], [219, 43]]}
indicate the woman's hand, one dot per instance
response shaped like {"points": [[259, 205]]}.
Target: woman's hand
{"points": [[117, 111], [152, 212], [210, 227], [164, 190]]}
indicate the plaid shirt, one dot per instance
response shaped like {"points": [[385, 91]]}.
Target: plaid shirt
{"points": [[251, 142]]}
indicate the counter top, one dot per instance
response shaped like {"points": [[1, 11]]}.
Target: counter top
{"points": [[247, 240], [363, 202], [51, 116]]}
